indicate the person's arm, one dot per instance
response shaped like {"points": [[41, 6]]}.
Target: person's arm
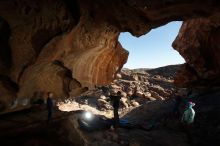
{"points": [[183, 116], [110, 97]]}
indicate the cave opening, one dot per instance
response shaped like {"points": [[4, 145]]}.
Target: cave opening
{"points": [[153, 49], [83, 51]]}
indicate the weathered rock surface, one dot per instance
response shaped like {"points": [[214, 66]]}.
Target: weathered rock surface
{"points": [[44, 33], [82, 36], [155, 117], [198, 43], [7, 92]]}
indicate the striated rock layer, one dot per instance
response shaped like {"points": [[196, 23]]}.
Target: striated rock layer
{"points": [[68, 46]]}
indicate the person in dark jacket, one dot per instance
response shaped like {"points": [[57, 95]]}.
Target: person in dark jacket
{"points": [[49, 106], [116, 100]]}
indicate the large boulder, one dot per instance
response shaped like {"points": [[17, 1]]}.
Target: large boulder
{"points": [[139, 94], [159, 90], [124, 102], [156, 95]]}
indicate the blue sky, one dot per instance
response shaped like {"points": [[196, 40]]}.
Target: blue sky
{"points": [[153, 49]]}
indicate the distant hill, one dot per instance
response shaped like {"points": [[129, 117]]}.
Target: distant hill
{"points": [[165, 71]]}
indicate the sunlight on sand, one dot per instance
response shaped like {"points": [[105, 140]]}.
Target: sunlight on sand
{"points": [[69, 106]]}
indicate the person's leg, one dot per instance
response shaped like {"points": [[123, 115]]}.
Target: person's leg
{"points": [[116, 118], [49, 115], [186, 128], [189, 133]]}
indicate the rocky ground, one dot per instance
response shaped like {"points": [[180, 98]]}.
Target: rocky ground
{"points": [[148, 100], [137, 87]]}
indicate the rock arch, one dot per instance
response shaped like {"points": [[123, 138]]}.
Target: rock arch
{"points": [[85, 40]]}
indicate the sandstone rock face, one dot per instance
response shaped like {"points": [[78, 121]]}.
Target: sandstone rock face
{"points": [[66, 47], [8, 93], [49, 52], [198, 43]]}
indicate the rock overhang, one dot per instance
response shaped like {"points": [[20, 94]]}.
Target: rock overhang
{"points": [[83, 37]]}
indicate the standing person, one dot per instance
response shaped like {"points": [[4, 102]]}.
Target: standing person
{"points": [[188, 119], [49, 106], [189, 114], [116, 100]]}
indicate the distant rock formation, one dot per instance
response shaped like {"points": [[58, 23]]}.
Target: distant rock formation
{"points": [[137, 87]]}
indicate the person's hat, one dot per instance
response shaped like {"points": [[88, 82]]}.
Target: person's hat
{"points": [[191, 103], [119, 93]]}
